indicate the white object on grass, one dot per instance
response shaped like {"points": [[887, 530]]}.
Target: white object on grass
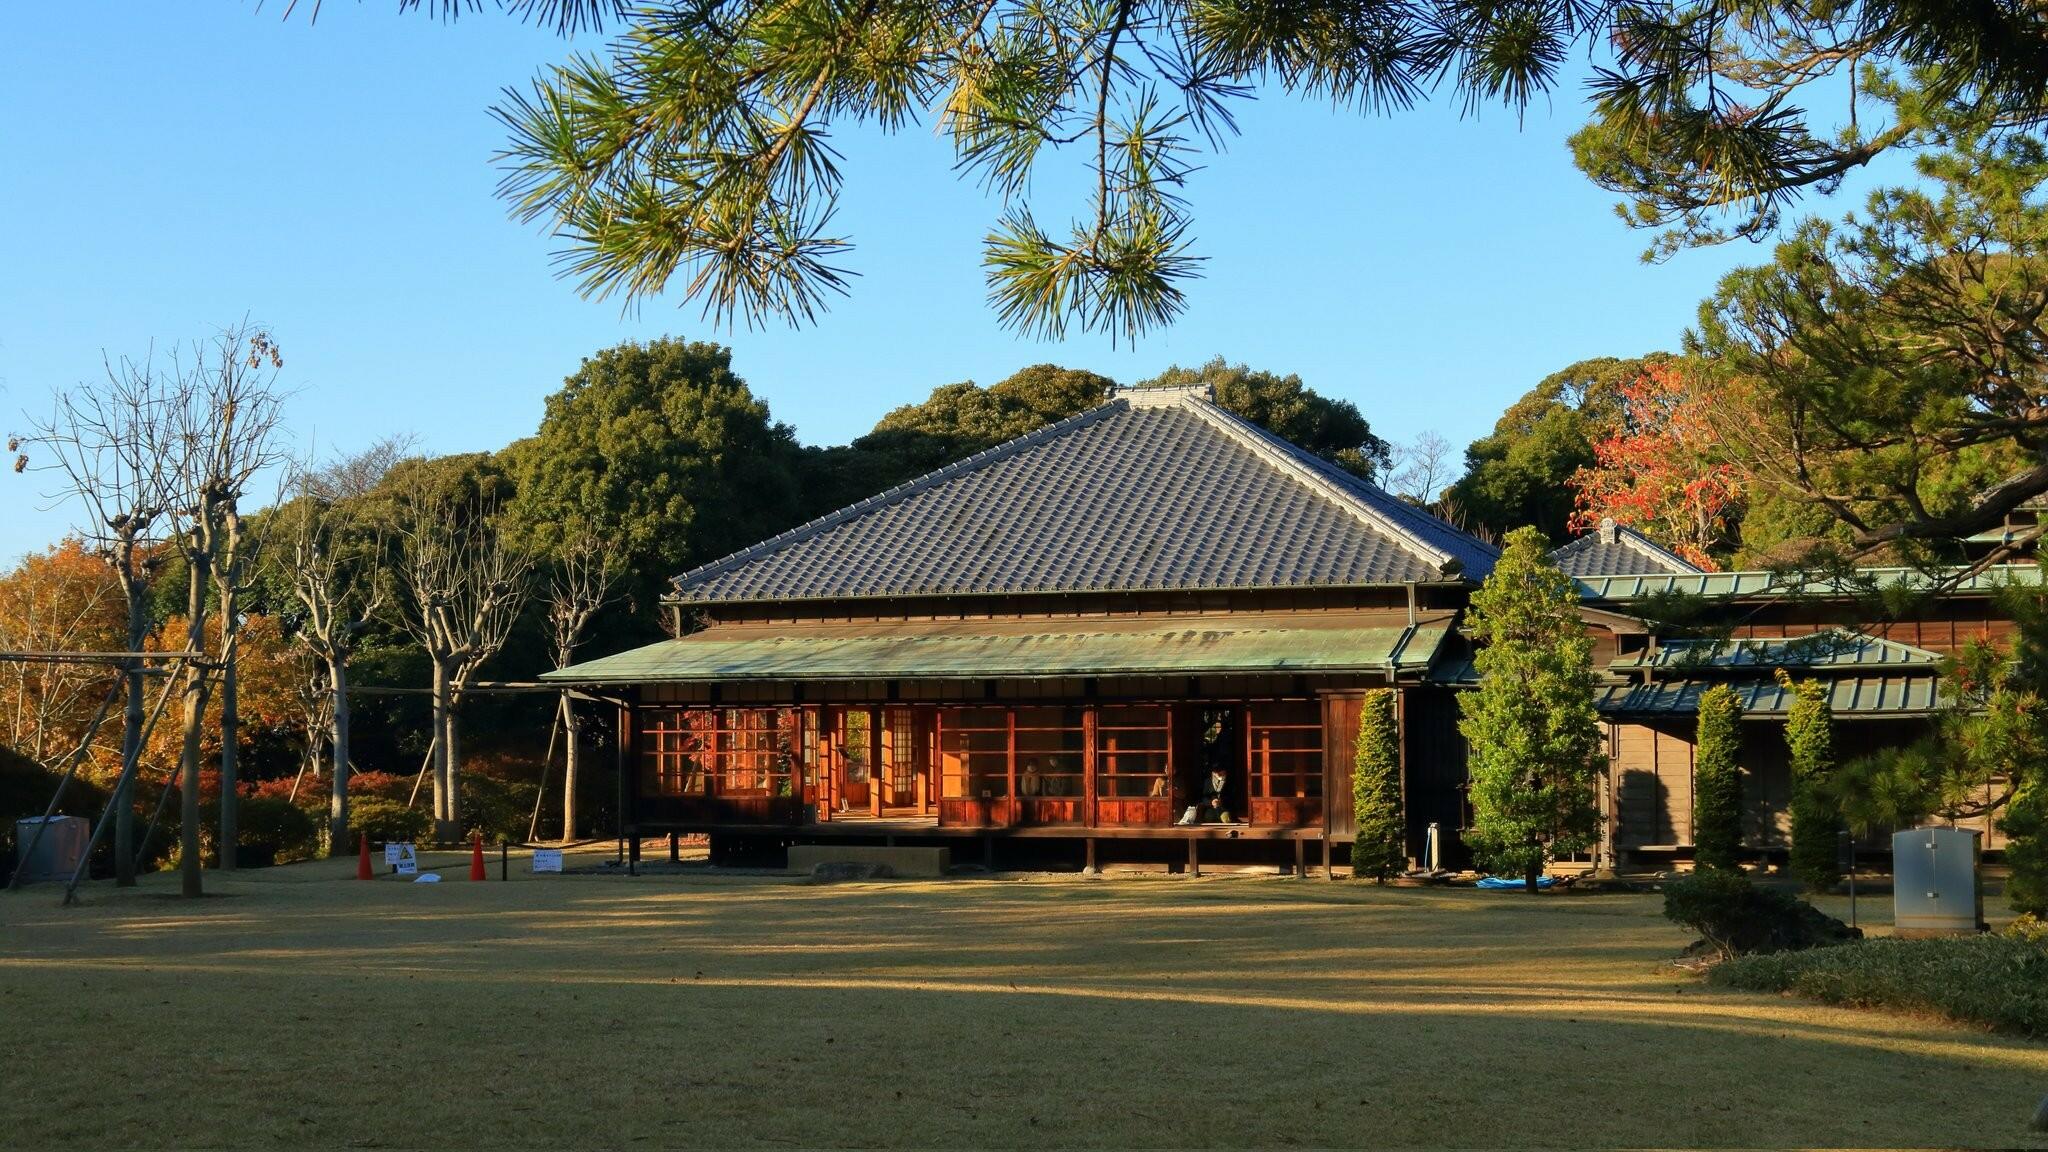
{"points": [[427, 878], [547, 859]]}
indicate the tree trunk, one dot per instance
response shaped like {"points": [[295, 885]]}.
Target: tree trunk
{"points": [[451, 751], [189, 862], [132, 720], [572, 753], [437, 752], [337, 805], [123, 799], [230, 767]]}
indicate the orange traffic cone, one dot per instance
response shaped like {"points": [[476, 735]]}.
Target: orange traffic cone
{"points": [[476, 858], [363, 857]]}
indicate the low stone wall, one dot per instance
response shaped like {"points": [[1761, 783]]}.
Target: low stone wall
{"points": [[901, 861]]}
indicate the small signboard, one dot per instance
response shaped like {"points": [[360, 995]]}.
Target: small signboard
{"points": [[547, 860], [408, 862], [391, 854]]}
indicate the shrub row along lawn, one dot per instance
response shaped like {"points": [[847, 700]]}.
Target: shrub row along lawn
{"points": [[1996, 980]]}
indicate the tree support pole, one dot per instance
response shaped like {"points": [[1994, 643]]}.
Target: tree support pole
{"points": [[547, 762], [129, 771]]}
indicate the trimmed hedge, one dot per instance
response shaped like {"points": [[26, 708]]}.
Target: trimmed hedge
{"points": [[1999, 981], [1736, 918], [388, 820]]}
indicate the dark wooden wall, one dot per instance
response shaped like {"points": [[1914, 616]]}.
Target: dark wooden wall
{"points": [[1435, 751]]}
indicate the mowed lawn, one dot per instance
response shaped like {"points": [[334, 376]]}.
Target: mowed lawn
{"points": [[300, 1008]]}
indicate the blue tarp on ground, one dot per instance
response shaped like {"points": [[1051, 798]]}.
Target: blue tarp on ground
{"points": [[1502, 882]]}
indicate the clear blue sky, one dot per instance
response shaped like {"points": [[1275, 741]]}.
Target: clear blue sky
{"points": [[172, 167]]}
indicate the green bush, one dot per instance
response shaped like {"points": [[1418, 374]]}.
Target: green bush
{"points": [[277, 824], [1379, 850], [2025, 825], [500, 809], [1735, 917], [1999, 981], [1717, 771], [388, 820]]}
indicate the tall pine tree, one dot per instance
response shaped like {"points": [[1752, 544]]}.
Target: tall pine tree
{"points": [[1532, 727], [1380, 849], [1717, 780]]}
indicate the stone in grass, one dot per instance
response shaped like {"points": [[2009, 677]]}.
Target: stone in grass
{"points": [[836, 871], [2041, 1116]]}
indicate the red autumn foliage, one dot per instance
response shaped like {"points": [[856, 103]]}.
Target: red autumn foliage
{"points": [[1658, 472]]}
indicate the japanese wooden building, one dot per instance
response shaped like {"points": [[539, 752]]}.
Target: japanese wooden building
{"points": [[1051, 646], [1059, 639]]}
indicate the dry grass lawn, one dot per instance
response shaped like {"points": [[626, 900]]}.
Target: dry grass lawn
{"points": [[299, 1008]]}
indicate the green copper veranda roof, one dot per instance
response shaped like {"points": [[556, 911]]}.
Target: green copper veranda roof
{"points": [[1831, 650], [1010, 649], [1847, 696], [1741, 585]]}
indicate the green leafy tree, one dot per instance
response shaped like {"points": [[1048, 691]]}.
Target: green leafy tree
{"points": [[1531, 725], [660, 449], [1519, 475], [1717, 780], [699, 144], [1333, 429], [958, 420], [1379, 849], [1816, 823]]}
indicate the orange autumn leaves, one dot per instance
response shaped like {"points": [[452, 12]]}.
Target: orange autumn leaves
{"points": [[1658, 472], [66, 599]]}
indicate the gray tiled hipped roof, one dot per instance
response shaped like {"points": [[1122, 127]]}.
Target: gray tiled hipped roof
{"points": [[1158, 489], [1618, 550]]}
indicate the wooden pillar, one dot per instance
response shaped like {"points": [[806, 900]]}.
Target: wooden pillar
{"points": [[1093, 868], [1252, 766], [938, 768], [675, 849], [876, 778], [623, 759], [1089, 722], [1194, 857], [1300, 859], [1016, 805], [1328, 872]]}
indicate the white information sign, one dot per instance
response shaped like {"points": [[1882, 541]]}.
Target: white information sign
{"points": [[391, 855], [547, 859], [408, 862]]}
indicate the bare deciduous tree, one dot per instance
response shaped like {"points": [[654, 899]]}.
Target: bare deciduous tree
{"points": [[227, 429], [116, 446], [462, 585], [316, 723], [1422, 468], [586, 576], [336, 578]]}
